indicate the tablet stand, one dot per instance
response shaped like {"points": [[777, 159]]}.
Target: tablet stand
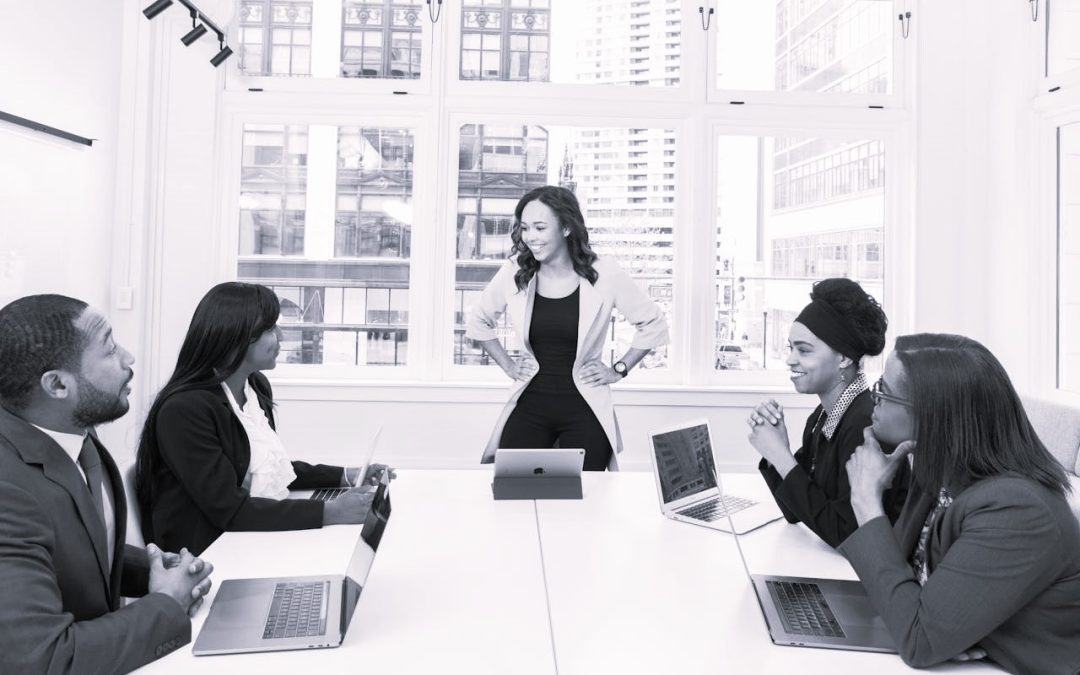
{"points": [[537, 487]]}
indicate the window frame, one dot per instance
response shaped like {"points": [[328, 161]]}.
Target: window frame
{"points": [[435, 110], [903, 64]]}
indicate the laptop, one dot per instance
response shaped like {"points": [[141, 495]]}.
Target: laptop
{"points": [[311, 612], [686, 481], [330, 493], [825, 613]]}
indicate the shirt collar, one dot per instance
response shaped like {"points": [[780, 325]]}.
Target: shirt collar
{"points": [[70, 443], [857, 386]]}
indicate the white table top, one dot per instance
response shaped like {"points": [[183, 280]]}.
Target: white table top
{"points": [[465, 584], [456, 586], [633, 592]]}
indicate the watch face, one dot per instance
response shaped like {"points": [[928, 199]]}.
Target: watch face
{"points": [[620, 367]]}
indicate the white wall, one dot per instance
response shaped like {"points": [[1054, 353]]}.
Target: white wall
{"points": [[61, 68]]}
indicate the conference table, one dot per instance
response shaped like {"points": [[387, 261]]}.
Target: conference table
{"points": [[466, 584]]}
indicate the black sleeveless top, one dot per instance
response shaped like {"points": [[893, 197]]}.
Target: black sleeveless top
{"points": [[553, 335]]}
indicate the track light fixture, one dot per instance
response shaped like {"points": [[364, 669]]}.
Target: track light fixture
{"points": [[197, 29], [156, 8], [220, 57]]}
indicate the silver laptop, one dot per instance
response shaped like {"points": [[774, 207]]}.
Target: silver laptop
{"points": [[547, 462], [685, 472], [809, 612], [330, 493], [263, 615]]}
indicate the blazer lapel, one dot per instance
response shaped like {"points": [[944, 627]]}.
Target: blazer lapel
{"points": [[37, 448], [519, 306], [590, 303]]}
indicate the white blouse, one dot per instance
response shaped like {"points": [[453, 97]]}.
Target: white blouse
{"points": [[269, 472]]}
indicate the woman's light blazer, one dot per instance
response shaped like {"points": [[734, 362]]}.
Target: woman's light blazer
{"points": [[614, 289]]}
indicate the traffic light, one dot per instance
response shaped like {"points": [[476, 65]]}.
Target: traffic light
{"points": [[740, 289]]}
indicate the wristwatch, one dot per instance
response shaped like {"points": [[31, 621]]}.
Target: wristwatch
{"points": [[620, 368]]}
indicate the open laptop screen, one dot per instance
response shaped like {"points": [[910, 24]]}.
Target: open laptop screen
{"points": [[684, 462]]}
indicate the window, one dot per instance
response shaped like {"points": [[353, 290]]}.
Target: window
{"points": [[380, 39], [378, 185], [569, 42], [275, 38], [791, 210], [1068, 377], [839, 46], [498, 164], [343, 281]]}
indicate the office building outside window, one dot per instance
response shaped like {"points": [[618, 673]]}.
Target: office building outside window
{"points": [[838, 46], [343, 281], [817, 211], [275, 38], [381, 39]]}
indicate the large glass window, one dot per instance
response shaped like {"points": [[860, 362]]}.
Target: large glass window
{"points": [[1062, 31], [342, 274], [624, 179], [842, 46], [275, 37], [1069, 258], [626, 42], [378, 39], [790, 211]]}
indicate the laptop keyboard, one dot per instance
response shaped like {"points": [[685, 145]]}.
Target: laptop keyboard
{"points": [[327, 494], [804, 610], [716, 508], [298, 610]]}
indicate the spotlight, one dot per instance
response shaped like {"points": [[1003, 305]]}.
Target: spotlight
{"points": [[193, 35], [220, 57], [157, 7]]}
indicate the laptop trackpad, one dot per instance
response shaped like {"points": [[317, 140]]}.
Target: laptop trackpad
{"points": [[242, 603], [852, 607]]}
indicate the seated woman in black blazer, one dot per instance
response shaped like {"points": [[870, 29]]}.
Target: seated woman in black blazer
{"points": [[209, 459], [984, 561], [828, 341]]}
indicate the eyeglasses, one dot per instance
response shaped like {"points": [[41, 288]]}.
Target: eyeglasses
{"points": [[878, 396]]}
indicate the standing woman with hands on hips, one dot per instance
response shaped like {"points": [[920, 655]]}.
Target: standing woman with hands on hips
{"points": [[559, 296]]}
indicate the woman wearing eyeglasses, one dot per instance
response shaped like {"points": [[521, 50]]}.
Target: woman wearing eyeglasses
{"points": [[984, 561], [210, 459], [827, 342]]}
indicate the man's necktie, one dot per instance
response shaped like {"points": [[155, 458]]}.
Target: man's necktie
{"points": [[90, 461]]}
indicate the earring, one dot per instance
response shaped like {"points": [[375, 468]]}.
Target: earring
{"points": [[842, 378], [566, 233]]}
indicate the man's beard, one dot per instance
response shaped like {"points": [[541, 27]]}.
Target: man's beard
{"points": [[96, 406]]}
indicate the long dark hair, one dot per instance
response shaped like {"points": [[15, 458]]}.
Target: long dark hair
{"points": [[229, 317], [969, 421], [566, 208]]}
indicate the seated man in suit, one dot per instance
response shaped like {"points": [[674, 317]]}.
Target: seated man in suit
{"points": [[64, 564]]}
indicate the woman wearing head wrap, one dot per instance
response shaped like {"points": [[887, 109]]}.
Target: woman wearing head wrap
{"points": [[827, 343]]}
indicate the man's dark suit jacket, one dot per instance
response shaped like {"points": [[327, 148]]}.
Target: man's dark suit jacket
{"points": [[198, 488], [1004, 563], [61, 611]]}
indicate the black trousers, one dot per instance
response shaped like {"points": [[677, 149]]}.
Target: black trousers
{"points": [[538, 420]]}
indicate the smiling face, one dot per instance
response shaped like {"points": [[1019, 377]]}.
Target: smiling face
{"points": [[542, 233], [893, 418], [815, 366], [102, 384]]}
